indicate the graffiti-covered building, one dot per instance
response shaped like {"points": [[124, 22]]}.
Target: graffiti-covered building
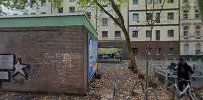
{"points": [[54, 54]]}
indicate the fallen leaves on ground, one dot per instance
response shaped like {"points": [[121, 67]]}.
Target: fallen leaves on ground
{"points": [[116, 83]]}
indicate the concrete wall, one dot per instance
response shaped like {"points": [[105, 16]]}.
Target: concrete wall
{"points": [[54, 58]]}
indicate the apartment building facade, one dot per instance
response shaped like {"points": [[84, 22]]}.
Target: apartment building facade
{"points": [[165, 33], [109, 33], [44, 7], [68, 7], [168, 34], [191, 37]]}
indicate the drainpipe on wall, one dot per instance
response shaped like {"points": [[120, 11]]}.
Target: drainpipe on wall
{"points": [[96, 19], [179, 25], [51, 7], [128, 16]]}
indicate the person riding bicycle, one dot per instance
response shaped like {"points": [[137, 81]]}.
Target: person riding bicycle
{"points": [[183, 72]]}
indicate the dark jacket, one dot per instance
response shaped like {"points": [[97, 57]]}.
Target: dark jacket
{"points": [[184, 71]]}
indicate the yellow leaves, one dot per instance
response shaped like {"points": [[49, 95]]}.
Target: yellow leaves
{"points": [[22, 1], [83, 3], [121, 3], [57, 3]]}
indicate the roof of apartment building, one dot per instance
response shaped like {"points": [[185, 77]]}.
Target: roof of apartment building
{"points": [[46, 20]]}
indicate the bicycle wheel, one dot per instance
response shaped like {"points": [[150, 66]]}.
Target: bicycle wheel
{"points": [[172, 92], [193, 95], [170, 87]]}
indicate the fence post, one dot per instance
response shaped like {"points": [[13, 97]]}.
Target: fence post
{"points": [[166, 77], [200, 61], [114, 90]]}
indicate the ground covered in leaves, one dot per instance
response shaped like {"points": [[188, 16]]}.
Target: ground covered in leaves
{"points": [[116, 83]]}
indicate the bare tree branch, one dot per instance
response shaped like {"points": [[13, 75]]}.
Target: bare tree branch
{"points": [[162, 6], [149, 42], [117, 11], [160, 11], [133, 65], [146, 12], [106, 12]]}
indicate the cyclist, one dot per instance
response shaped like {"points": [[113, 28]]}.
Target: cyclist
{"points": [[183, 71]]}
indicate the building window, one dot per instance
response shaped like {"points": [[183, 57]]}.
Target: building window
{"points": [[135, 51], [170, 15], [197, 27], [104, 34], [157, 17], [197, 35], [135, 17], [158, 51], [157, 34], [170, 1], [185, 1], [135, 34], [170, 33], [135, 1], [157, 1], [198, 49], [117, 34], [71, 0], [71, 9], [186, 49], [43, 12], [33, 13], [148, 34], [104, 21], [197, 16], [60, 10], [197, 32], [170, 51], [88, 14], [150, 51], [25, 13], [43, 2], [149, 16], [185, 14], [185, 32]]}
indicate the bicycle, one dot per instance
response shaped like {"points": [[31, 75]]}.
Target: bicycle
{"points": [[188, 89]]}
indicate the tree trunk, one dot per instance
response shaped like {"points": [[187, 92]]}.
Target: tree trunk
{"points": [[133, 65]]}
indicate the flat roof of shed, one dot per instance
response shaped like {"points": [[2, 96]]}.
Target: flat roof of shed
{"points": [[46, 20]]}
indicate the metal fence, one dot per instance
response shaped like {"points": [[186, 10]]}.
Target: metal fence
{"points": [[158, 69]]}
